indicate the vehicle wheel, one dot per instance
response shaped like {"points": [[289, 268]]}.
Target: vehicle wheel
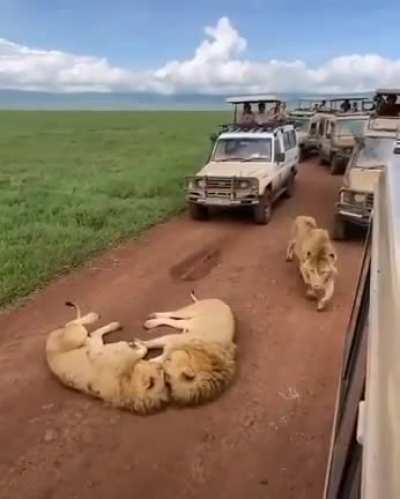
{"points": [[263, 211], [322, 160], [340, 229], [303, 154], [290, 186], [336, 165], [198, 212]]}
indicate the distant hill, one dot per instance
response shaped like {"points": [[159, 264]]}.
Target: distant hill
{"points": [[17, 99]]}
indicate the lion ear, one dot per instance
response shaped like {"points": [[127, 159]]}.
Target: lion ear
{"points": [[188, 374]]}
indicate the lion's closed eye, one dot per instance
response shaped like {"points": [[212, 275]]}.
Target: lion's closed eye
{"points": [[188, 375]]}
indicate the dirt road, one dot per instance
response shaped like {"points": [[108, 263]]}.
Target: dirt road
{"points": [[266, 438]]}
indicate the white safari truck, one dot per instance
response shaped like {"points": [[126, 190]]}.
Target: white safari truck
{"points": [[364, 459], [371, 153], [250, 164]]}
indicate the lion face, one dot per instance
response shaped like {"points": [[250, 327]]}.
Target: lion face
{"points": [[146, 384], [318, 271], [198, 372]]}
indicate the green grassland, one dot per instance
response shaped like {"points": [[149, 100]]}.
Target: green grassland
{"points": [[74, 183]]}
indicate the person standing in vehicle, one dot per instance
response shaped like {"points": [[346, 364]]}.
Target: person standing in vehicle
{"points": [[247, 117], [275, 112], [261, 117], [345, 106]]}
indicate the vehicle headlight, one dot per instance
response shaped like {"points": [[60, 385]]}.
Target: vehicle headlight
{"points": [[346, 197], [350, 197], [360, 198], [190, 184], [201, 183], [244, 184]]}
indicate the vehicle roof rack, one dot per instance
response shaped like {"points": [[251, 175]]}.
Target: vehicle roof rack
{"points": [[388, 91], [339, 99], [253, 99], [254, 128]]}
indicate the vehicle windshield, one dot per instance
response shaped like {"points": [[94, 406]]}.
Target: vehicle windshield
{"points": [[350, 127], [243, 149], [374, 153], [301, 124]]}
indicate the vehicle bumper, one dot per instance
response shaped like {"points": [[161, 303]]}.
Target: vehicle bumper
{"points": [[355, 215], [222, 202]]}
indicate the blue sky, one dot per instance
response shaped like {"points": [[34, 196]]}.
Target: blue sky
{"points": [[145, 35]]}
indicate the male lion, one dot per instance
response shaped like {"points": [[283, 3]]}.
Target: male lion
{"points": [[316, 258], [199, 362], [113, 372]]}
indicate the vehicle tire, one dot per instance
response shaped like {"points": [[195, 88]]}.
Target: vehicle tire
{"points": [[198, 212], [303, 155], [322, 160], [340, 229], [336, 165], [290, 186], [262, 212]]}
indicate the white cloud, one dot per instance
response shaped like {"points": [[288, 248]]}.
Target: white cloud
{"points": [[217, 66]]}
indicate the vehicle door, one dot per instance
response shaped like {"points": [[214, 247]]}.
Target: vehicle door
{"points": [[284, 166], [326, 139], [312, 134], [279, 161], [321, 121]]}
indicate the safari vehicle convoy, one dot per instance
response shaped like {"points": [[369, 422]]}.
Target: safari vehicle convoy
{"points": [[252, 163], [364, 456], [370, 155]]}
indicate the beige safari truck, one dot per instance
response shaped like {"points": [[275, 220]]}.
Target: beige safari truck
{"points": [[364, 457], [305, 121], [371, 153], [337, 133], [250, 166]]}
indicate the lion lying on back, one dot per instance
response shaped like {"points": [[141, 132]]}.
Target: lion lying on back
{"points": [[195, 365], [199, 362], [316, 258], [113, 372]]}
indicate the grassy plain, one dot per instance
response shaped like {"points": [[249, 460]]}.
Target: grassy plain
{"points": [[74, 183]]}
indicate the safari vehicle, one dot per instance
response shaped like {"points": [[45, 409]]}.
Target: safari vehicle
{"points": [[336, 138], [305, 123], [371, 154], [249, 166], [364, 457]]}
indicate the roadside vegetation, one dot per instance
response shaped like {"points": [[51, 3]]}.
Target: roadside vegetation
{"points": [[74, 183]]}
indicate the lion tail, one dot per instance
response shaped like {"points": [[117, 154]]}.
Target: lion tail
{"points": [[76, 307]]}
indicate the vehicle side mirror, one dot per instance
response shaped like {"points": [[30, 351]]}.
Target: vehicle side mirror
{"points": [[280, 157], [213, 137]]}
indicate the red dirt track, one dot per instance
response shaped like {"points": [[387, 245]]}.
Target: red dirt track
{"points": [[267, 437]]}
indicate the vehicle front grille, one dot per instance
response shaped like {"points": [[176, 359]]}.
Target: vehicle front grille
{"points": [[219, 187], [370, 200], [220, 183]]}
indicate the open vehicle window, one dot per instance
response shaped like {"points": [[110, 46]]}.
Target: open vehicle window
{"points": [[374, 152], [243, 149], [350, 127]]}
